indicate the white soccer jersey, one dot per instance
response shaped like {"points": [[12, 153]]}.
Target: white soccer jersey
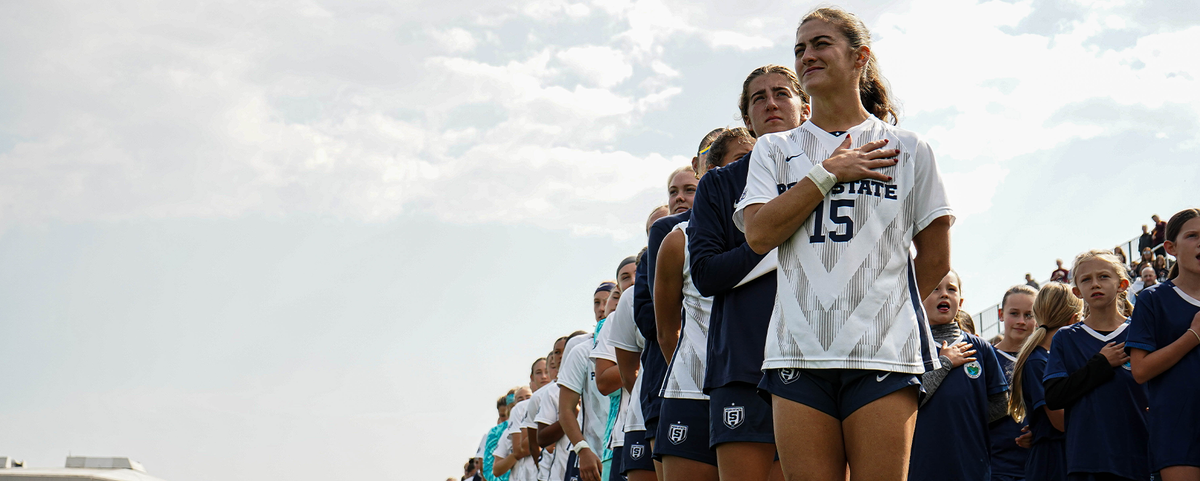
{"points": [[482, 447], [623, 334], [847, 296], [606, 350], [685, 374], [578, 373], [553, 465], [526, 468]]}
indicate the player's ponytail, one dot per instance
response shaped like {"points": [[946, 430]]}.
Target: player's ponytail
{"points": [[873, 89], [1053, 308], [1173, 227]]}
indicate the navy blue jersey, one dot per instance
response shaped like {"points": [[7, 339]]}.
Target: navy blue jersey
{"points": [[951, 438], [1034, 395], [720, 258], [1163, 314], [654, 366], [1106, 428], [1008, 459]]}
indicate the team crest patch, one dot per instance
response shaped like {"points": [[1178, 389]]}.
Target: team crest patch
{"points": [[734, 415], [973, 369], [1127, 366], [789, 375], [677, 433], [636, 451]]}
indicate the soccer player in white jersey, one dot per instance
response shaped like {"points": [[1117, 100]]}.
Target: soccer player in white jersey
{"points": [[686, 452], [577, 387], [549, 430], [545, 460], [608, 375], [848, 336], [508, 454]]}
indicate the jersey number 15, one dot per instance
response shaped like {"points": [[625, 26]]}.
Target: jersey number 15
{"points": [[847, 229]]}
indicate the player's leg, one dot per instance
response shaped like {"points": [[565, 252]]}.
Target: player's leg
{"points": [[676, 468], [878, 436], [1181, 473], [745, 461], [809, 442], [742, 433]]}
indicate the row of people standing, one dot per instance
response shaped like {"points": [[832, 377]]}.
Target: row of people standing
{"points": [[777, 313]]}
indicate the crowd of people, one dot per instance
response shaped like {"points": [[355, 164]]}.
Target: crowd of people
{"points": [[779, 326]]}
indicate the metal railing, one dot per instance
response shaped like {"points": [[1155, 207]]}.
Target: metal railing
{"points": [[987, 321]]}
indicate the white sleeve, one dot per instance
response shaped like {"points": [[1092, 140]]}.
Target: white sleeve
{"points": [[931, 201], [573, 374], [768, 264], [503, 448], [605, 349], [482, 447], [624, 334], [760, 180], [548, 411], [516, 417], [531, 411]]}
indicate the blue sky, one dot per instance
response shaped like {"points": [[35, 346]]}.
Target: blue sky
{"points": [[317, 239]]}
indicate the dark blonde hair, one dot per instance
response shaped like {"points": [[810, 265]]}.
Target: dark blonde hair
{"points": [[744, 99], [872, 87], [1054, 307], [1104, 255]]}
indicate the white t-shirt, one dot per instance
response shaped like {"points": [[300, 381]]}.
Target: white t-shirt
{"points": [[578, 373], [605, 350], [846, 295], [526, 468], [482, 446], [622, 333], [685, 374], [553, 465]]}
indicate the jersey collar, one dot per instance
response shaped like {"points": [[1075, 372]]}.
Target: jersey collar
{"points": [[1006, 355], [831, 142], [1112, 335], [1183, 295]]}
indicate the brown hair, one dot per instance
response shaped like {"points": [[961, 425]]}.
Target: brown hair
{"points": [[965, 321], [872, 87], [709, 138], [1053, 308], [1017, 289], [744, 99], [1173, 227], [724, 143], [533, 367]]}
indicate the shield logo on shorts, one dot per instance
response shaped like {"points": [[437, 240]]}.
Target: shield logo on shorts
{"points": [[636, 451], [789, 375], [677, 433], [734, 415]]}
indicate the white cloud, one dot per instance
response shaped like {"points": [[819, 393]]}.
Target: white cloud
{"points": [[454, 40], [604, 67]]}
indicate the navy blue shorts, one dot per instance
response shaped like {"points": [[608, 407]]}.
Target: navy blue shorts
{"points": [[572, 472], [836, 392], [683, 431], [614, 467], [737, 413], [637, 453], [651, 429]]}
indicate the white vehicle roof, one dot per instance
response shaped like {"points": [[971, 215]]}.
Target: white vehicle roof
{"points": [[79, 468]]}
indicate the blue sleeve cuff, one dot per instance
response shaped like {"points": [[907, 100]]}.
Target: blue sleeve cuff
{"points": [[1142, 346], [1037, 405], [1054, 375]]}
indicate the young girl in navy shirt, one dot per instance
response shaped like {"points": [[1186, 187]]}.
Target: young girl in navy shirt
{"points": [[961, 398], [1088, 374], [1054, 307], [1016, 313], [1162, 341]]}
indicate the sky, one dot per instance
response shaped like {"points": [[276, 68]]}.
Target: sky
{"points": [[313, 240]]}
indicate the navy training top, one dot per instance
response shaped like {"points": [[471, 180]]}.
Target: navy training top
{"points": [[951, 438], [654, 366], [720, 258], [1008, 459], [1106, 428], [1163, 314]]}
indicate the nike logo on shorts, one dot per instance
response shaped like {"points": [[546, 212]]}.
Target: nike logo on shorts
{"points": [[881, 377]]}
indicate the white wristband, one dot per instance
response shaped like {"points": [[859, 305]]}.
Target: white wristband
{"points": [[580, 446], [822, 179]]}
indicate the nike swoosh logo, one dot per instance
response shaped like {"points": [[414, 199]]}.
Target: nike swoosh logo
{"points": [[882, 377], [789, 159]]}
